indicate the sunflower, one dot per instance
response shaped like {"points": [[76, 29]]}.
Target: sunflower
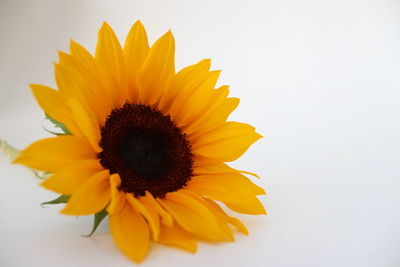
{"points": [[144, 145]]}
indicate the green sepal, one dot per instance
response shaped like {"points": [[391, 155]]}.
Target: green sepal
{"points": [[58, 124], [98, 218], [41, 174], [51, 132], [59, 200]]}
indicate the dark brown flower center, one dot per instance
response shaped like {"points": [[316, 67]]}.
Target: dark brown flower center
{"points": [[146, 149]]}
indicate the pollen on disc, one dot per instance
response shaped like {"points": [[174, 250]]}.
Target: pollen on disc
{"points": [[146, 149]]}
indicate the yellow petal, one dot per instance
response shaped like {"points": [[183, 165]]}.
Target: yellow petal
{"points": [[226, 143], [150, 202], [89, 127], [68, 179], [234, 183], [217, 98], [51, 102], [238, 224], [70, 84], [233, 221], [136, 47], [214, 114], [148, 213], [91, 197], [111, 60], [130, 232], [182, 84], [230, 128], [251, 206], [241, 204], [221, 220], [89, 80], [89, 67], [221, 113], [117, 197], [54, 104], [73, 86], [193, 98], [53, 154], [197, 102], [83, 55], [176, 236], [194, 216], [220, 167], [240, 197], [136, 50], [158, 69]]}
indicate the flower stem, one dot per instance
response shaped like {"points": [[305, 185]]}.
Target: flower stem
{"points": [[7, 149]]}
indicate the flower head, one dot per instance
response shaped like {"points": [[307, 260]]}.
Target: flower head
{"points": [[144, 144]]}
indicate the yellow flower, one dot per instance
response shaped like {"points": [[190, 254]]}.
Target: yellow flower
{"points": [[145, 143]]}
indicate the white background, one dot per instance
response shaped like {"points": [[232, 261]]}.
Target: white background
{"points": [[319, 79]]}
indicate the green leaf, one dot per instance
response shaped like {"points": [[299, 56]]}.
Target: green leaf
{"points": [[60, 200], [98, 218], [58, 124]]}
